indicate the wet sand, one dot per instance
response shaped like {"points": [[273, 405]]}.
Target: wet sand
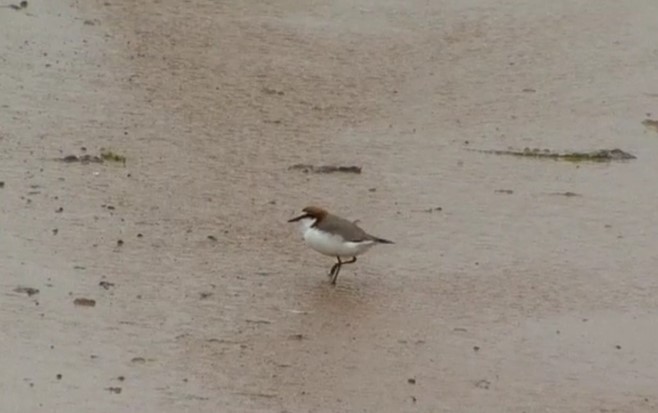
{"points": [[509, 298]]}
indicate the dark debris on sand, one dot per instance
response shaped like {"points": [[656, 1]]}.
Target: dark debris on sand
{"points": [[325, 169]]}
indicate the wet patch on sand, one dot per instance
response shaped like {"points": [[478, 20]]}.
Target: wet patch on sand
{"points": [[26, 290], [651, 124]]}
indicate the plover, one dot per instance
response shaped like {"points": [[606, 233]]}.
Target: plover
{"points": [[335, 236]]}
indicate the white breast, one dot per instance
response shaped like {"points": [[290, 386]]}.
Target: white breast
{"points": [[333, 245]]}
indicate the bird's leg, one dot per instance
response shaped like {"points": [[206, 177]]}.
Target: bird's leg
{"points": [[336, 268], [352, 261]]}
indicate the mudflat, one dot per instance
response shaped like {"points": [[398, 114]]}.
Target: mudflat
{"points": [[147, 170]]}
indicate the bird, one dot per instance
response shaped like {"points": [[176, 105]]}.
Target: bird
{"points": [[334, 236]]}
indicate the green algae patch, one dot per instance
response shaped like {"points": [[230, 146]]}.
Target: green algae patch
{"points": [[110, 156], [105, 155], [602, 155]]}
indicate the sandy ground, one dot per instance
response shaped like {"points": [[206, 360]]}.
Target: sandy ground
{"points": [[523, 300]]}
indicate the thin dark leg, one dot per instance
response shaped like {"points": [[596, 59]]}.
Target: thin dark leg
{"points": [[336, 268], [352, 261]]}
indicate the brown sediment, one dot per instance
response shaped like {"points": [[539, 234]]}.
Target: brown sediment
{"points": [[486, 303]]}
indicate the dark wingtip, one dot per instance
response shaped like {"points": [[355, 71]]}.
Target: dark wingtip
{"points": [[384, 241]]}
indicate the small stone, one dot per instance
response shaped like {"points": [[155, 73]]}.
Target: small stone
{"points": [[70, 158], [411, 381], [59, 377], [476, 348], [483, 384], [84, 302], [119, 242], [106, 284]]}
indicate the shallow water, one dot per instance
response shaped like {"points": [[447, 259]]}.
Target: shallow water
{"points": [[501, 294]]}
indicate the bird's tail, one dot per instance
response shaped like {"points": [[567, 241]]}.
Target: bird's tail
{"points": [[383, 241]]}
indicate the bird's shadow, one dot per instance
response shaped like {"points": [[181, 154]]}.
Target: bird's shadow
{"points": [[349, 299]]}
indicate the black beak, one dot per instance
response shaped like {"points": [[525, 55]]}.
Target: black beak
{"points": [[298, 218]]}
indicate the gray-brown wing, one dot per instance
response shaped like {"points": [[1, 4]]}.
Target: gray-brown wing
{"points": [[347, 229]]}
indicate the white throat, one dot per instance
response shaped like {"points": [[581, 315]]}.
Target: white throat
{"points": [[306, 223]]}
